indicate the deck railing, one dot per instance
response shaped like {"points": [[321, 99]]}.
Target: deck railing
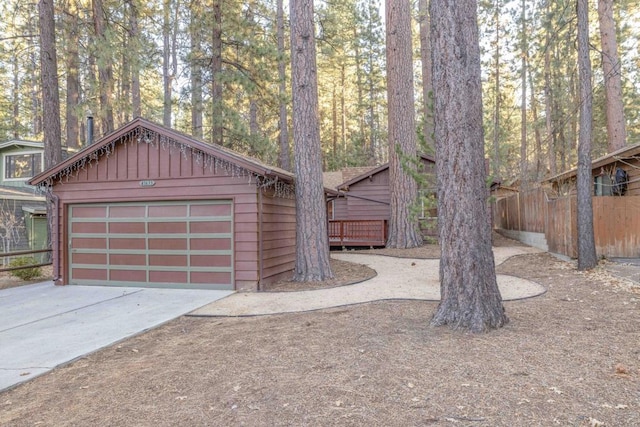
{"points": [[357, 232]]}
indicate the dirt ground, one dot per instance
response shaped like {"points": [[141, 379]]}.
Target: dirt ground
{"points": [[570, 357]]}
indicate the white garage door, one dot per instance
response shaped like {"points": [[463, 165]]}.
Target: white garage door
{"points": [[186, 244]]}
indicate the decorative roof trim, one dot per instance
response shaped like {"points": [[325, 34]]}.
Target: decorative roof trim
{"points": [[143, 131]]}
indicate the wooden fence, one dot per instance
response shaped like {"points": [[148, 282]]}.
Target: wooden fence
{"points": [[616, 222]]}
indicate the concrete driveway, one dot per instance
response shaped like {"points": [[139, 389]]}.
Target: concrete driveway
{"points": [[43, 326]]}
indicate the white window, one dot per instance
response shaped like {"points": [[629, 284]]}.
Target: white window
{"points": [[22, 166]]}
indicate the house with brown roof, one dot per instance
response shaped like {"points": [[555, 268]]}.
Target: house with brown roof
{"points": [[149, 206], [359, 207]]}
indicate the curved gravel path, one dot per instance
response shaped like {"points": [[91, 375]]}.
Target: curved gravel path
{"points": [[397, 278]]}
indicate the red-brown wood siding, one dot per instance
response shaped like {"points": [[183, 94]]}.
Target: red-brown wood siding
{"points": [[278, 218], [176, 176], [368, 198]]}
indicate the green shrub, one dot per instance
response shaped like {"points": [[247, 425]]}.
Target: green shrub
{"points": [[27, 273]]}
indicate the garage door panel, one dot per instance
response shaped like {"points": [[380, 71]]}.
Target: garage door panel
{"points": [[211, 244], [183, 244], [211, 260], [90, 212], [88, 258], [90, 274], [214, 209], [168, 276], [167, 227], [127, 228], [172, 244], [214, 277], [89, 243], [127, 211], [88, 227], [127, 259], [139, 243], [169, 260], [128, 276], [211, 227], [165, 211]]}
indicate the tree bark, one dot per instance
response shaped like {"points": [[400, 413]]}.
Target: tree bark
{"points": [[216, 72], [72, 62], [167, 77], [470, 298], [105, 69], [524, 163], [284, 158], [135, 66], [49, 77], [616, 128], [403, 227], [196, 55], [587, 258], [427, 85], [312, 241]]}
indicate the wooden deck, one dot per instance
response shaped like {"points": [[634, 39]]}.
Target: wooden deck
{"points": [[357, 232]]}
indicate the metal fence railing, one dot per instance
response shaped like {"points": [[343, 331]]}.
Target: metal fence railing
{"points": [[6, 257]]}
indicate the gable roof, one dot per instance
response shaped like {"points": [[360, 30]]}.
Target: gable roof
{"points": [[22, 143], [625, 153], [372, 171], [152, 133]]}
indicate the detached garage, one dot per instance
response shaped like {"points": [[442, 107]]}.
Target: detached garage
{"points": [[149, 206]]}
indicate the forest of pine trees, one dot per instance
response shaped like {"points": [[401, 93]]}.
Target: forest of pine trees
{"points": [[211, 69]]}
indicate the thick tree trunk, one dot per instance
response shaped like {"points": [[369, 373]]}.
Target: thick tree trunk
{"points": [[524, 163], [427, 85], [586, 242], [470, 298], [284, 158], [403, 227], [49, 77], [616, 128], [312, 240], [167, 77], [72, 62], [197, 108], [105, 69], [216, 72], [135, 66], [548, 101]]}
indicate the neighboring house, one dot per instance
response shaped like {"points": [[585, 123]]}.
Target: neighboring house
{"points": [[362, 203], [548, 215], [604, 171], [150, 206], [22, 209]]}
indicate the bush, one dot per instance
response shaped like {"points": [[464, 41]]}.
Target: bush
{"points": [[27, 273]]}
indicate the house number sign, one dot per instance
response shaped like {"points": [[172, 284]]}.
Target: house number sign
{"points": [[147, 183]]}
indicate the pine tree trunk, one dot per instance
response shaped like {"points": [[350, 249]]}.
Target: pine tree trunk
{"points": [[586, 242], [167, 78], [470, 298], [403, 227], [49, 77], [195, 28], [616, 129], [135, 67], [105, 69], [216, 72], [524, 175], [427, 85], [284, 159], [312, 240], [73, 80]]}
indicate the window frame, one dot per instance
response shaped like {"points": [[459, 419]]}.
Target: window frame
{"points": [[6, 158]]}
